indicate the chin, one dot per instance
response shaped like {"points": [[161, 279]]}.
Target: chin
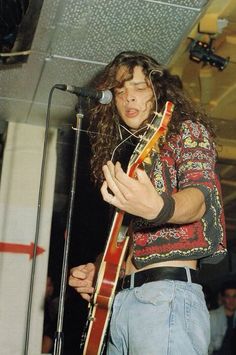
{"points": [[135, 125]]}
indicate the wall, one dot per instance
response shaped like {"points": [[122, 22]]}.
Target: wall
{"points": [[19, 191]]}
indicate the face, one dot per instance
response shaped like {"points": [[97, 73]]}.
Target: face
{"points": [[134, 100], [229, 299]]}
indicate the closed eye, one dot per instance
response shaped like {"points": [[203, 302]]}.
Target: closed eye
{"points": [[141, 87], [119, 91]]}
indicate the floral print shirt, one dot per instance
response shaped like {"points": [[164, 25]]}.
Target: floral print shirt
{"points": [[185, 160]]}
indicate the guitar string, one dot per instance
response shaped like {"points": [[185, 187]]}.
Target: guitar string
{"points": [[126, 139]]}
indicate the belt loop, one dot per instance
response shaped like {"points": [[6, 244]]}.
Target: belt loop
{"points": [[132, 280], [189, 279]]}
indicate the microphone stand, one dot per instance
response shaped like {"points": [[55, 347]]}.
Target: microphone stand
{"points": [[59, 337]]}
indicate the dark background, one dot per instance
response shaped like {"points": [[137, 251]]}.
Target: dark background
{"points": [[89, 228]]}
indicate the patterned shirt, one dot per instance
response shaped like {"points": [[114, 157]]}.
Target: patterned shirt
{"points": [[185, 160]]}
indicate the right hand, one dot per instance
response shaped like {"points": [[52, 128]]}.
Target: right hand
{"points": [[81, 279]]}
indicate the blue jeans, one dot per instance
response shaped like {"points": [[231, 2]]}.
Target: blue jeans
{"points": [[160, 318]]}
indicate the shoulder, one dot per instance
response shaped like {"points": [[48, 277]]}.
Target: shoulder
{"points": [[218, 312], [191, 136], [194, 128], [189, 128]]}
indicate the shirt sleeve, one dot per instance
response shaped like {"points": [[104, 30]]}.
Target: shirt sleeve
{"points": [[195, 165], [195, 158]]}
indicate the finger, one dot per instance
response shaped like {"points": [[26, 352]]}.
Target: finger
{"points": [[88, 290], [79, 283], [82, 271], [105, 194], [86, 297], [115, 169], [77, 275], [109, 198], [124, 181], [111, 183], [89, 267], [111, 168], [74, 269]]}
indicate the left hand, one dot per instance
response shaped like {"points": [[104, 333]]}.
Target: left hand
{"points": [[136, 196]]}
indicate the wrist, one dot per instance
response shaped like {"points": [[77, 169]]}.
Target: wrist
{"points": [[166, 211], [155, 211]]}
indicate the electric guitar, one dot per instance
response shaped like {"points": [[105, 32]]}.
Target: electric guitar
{"points": [[93, 342]]}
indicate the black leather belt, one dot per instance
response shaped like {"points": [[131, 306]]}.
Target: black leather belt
{"points": [[157, 274]]}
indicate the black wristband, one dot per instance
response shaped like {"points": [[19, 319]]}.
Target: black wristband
{"points": [[166, 212]]}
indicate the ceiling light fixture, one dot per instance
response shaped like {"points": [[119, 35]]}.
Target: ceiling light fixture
{"points": [[203, 52]]}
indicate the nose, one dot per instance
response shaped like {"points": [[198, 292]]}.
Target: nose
{"points": [[130, 97]]}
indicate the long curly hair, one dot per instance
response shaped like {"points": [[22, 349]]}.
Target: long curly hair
{"points": [[104, 119]]}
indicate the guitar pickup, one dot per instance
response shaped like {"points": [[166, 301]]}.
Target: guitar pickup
{"points": [[122, 234]]}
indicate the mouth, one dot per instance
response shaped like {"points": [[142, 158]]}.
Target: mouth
{"points": [[131, 112]]}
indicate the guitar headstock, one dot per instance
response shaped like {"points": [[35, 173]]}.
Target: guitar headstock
{"points": [[155, 133]]}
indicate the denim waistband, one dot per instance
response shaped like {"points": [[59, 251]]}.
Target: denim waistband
{"points": [[156, 274]]}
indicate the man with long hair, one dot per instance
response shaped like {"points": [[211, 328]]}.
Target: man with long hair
{"points": [[175, 207]]}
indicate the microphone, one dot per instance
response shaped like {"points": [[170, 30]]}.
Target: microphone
{"points": [[104, 97]]}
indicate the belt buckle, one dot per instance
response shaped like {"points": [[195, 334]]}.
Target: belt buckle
{"points": [[127, 281]]}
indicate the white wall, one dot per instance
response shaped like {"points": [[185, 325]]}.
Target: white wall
{"points": [[19, 188]]}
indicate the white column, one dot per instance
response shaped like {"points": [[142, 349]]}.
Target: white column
{"points": [[19, 189]]}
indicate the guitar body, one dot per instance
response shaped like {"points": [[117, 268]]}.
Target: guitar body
{"points": [[108, 275], [100, 307]]}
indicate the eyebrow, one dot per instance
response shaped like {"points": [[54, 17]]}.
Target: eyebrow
{"points": [[133, 83], [139, 82]]}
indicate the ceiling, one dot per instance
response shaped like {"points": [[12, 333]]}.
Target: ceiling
{"points": [[69, 41]]}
